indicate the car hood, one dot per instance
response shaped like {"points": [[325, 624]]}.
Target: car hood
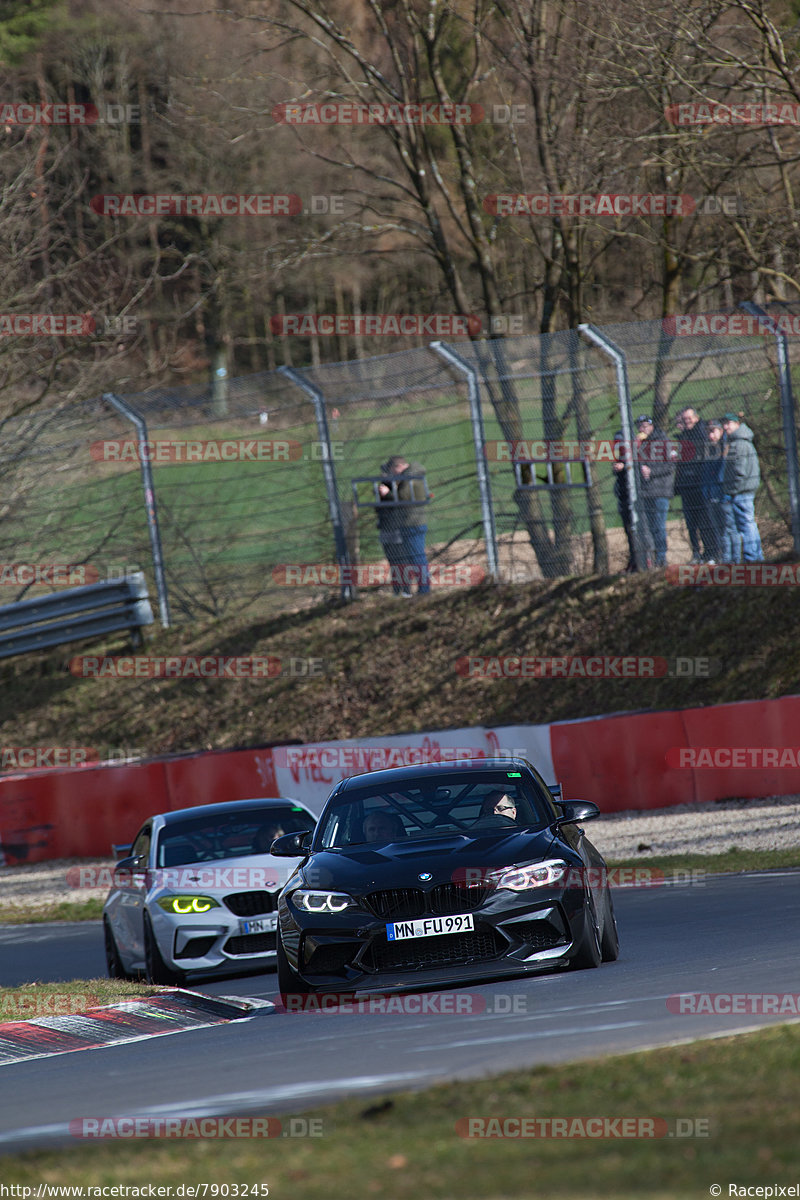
{"points": [[362, 869], [249, 873]]}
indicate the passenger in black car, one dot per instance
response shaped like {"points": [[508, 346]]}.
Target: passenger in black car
{"points": [[499, 804]]}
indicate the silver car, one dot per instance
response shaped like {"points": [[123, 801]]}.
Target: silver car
{"points": [[198, 891]]}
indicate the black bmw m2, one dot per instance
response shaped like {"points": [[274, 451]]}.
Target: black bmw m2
{"points": [[442, 874]]}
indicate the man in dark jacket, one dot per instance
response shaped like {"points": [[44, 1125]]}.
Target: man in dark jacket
{"points": [[657, 457], [741, 476], [693, 438], [402, 524], [729, 550]]}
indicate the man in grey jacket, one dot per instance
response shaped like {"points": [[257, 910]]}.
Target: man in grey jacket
{"points": [[741, 476]]}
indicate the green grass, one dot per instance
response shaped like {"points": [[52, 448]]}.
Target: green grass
{"points": [[742, 1091], [90, 909], [32, 1000]]}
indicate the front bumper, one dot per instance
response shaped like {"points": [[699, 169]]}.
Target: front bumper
{"points": [[217, 940], [510, 937]]}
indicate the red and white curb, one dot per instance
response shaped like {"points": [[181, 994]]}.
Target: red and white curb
{"points": [[173, 1011]]}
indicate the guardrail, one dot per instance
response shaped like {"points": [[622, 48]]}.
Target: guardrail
{"points": [[76, 613]]}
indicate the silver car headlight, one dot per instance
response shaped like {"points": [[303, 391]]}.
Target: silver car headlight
{"points": [[550, 873], [183, 905], [322, 902]]}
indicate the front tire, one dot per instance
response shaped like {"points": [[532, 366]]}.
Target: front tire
{"points": [[588, 953], [156, 970], [610, 943], [113, 961], [289, 982]]}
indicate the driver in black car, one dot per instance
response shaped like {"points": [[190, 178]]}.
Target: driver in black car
{"points": [[382, 826]]}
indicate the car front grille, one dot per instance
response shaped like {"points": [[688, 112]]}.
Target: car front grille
{"points": [[405, 904], [422, 954], [250, 943], [401, 904], [455, 898], [250, 904]]}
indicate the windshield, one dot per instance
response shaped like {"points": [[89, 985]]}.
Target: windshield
{"points": [[233, 835], [474, 805]]}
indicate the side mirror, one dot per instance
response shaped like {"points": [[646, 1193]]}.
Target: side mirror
{"points": [[125, 868], [292, 845], [576, 810]]}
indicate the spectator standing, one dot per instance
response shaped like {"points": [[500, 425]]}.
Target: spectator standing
{"points": [[712, 491], [689, 475], [657, 458], [741, 476], [402, 524]]}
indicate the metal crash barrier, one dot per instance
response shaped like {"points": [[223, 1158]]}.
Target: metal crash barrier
{"points": [[76, 613]]}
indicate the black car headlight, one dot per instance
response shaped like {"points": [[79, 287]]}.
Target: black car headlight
{"points": [[322, 902], [183, 905], [552, 872]]}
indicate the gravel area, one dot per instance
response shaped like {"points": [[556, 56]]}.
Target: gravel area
{"points": [[770, 824]]}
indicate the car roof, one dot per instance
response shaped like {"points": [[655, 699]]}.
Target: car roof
{"points": [[228, 807], [400, 775]]}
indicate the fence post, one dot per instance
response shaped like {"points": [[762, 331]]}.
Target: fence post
{"points": [[153, 529], [478, 442], [617, 356], [329, 472], [787, 415]]}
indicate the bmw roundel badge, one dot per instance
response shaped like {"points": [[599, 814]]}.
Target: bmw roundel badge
{"points": [[425, 877]]}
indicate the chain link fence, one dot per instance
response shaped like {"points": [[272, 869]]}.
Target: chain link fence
{"points": [[259, 493]]}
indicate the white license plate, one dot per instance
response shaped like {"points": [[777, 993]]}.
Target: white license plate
{"points": [[399, 931], [262, 925]]}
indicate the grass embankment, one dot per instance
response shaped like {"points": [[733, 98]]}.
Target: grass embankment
{"points": [[391, 666], [739, 1092]]}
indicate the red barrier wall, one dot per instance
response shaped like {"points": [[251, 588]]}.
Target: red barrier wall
{"points": [[621, 762], [631, 761], [81, 812]]}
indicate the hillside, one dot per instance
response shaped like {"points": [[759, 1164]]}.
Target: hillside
{"points": [[391, 666]]}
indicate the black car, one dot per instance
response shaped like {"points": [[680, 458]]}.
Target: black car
{"points": [[443, 873]]}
